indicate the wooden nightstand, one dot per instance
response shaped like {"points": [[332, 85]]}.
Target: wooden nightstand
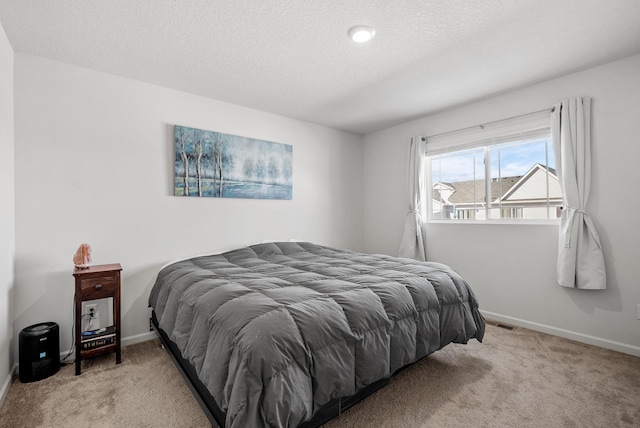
{"points": [[97, 282]]}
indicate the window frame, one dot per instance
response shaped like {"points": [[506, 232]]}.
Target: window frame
{"points": [[501, 132]]}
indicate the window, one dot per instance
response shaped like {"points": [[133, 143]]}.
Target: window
{"points": [[509, 176]]}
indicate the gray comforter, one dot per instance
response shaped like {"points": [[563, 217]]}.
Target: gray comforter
{"points": [[276, 330]]}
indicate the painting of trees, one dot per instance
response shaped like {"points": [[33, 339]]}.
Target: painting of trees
{"points": [[198, 160], [184, 145], [217, 168], [214, 164]]}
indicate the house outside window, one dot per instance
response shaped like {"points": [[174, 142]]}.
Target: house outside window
{"points": [[508, 176]]}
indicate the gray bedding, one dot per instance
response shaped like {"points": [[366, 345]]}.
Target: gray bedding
{"points": [[275, 331]]}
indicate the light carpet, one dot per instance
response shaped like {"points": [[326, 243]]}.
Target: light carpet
{"points": [[516, 378]]}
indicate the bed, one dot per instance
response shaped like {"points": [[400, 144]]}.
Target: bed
{"points": [[290, 334]]}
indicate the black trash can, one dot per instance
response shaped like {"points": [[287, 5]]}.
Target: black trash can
{"points": [[39, 351]]}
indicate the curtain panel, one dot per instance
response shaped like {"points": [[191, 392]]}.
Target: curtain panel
{"points": [[580, 258], [412, 244]]}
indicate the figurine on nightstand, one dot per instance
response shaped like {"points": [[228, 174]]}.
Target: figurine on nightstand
{"points": [[82, 257]]}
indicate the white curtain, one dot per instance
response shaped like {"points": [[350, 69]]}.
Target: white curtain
{"points": [[580, 258], [412, 245]]}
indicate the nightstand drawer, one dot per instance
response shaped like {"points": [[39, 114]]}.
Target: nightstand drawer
{"points": [[98, 288]]}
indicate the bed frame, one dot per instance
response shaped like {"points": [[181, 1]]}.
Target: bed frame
{"points": [[217, 417]]}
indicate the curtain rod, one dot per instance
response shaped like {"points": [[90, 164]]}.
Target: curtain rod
{"points": [[482, 125]]}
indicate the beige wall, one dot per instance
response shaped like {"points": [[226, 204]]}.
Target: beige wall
{"points": [[511, 267], [7, 208]]}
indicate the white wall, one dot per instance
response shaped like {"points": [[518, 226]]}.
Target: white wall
{"points": [[7, 208], [512, 268], [94, 163]]}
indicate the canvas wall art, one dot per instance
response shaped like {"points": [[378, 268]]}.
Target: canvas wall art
{"points": [[213, 164]]}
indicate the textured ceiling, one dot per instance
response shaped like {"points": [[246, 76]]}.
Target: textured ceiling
{"points": [[293, 57]]}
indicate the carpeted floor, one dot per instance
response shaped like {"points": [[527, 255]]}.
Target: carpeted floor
{"points": [[516, 378]]}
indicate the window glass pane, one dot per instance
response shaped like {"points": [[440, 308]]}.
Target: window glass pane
{"points": [[523, 180], [457, 180], [522, 183]]}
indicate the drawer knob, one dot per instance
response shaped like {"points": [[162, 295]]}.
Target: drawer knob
{"points": [[98, 286]]}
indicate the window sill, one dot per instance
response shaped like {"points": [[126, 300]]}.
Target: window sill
{"points": [[552, 222]]}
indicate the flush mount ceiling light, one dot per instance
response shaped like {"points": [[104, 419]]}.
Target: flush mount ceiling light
{"points": [[361, 33]]}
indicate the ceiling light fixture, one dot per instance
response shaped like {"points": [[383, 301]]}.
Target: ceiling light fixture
{"points": [[361, 33]]}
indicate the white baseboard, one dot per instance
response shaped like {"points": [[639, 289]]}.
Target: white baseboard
{"points": [[6, 384], [567, 334], [143, 337]]}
